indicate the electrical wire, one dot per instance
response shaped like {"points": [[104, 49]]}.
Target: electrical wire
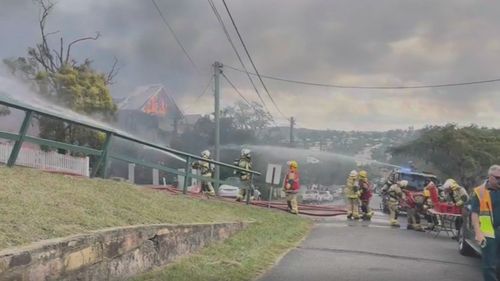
{"points": [[250, 59], [237, 91], [246, 100], [201, 95], [175, 36], [369, 87], [228, 36]]}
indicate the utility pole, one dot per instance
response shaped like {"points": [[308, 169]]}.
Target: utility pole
{"points": [[292, 123], [217, 71]]}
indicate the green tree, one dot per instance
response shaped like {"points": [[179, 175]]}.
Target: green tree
{"points": [[251, 116], [56, 75], [461, 153]]}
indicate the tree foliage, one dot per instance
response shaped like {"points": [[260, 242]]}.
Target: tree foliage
{"points": [[246, 116], [460, 153], [53, 73]]}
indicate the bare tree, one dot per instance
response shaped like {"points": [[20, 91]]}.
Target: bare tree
{"points": [[53, 60]]}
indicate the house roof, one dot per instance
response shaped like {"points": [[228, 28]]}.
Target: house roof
{"points": [[153, 100]]}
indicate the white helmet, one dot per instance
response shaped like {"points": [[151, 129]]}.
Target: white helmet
{"points": [[403, 183], [245, 152], [353, 173], [205, 153]]}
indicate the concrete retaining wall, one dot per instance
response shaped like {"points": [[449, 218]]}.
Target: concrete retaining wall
{"points": [[110, 254]]}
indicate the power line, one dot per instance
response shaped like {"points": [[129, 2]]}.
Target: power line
{"points": [[246, 100], [237, 91], [369, 87], [201, 95], [228, 36], [175, 36], [250, 59]]}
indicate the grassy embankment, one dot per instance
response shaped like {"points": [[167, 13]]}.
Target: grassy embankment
{"points": [[35, 205]]}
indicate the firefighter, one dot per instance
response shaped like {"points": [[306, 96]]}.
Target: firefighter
{"points": [[206, 170], [428, 205], [366, 194], [457, 195], [291, 187], [245, 162], [412, 202], [395, 195], [352, 194]]}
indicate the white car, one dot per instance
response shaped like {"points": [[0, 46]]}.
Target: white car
{"points": [[230, 190], [325, 196], [310, 196]]}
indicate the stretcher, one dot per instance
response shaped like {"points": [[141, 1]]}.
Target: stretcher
{"points": [[444, 215]]}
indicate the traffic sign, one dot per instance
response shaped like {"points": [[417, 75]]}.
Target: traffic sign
{"points": [[273, 174]]}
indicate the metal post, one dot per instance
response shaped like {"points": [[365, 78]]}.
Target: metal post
{"points": [[186, 178], [156, 177], [271, 188], [22, 133], [292, 122], [249, 189], [217, 72], [131, 173], [104, 158]]}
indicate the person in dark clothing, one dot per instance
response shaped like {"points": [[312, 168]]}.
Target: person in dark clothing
{"points": [[485, 207]]}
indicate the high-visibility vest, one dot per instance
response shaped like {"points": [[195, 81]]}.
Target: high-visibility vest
{"points": [[485, 211]]}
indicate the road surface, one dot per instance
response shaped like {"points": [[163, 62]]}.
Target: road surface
{"points": [[351, 251]]}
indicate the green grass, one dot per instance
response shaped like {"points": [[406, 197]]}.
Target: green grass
{"points": [[242, 257], [35, 205]]}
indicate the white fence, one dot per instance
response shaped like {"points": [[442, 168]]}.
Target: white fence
{"points": [[52, 161]]}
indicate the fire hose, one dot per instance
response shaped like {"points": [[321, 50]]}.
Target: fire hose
{"points": [[304, 209]]}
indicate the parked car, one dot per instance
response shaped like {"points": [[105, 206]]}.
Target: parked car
{"points": [[310, 196], [231, 189], [467, 244], [325, 196]]}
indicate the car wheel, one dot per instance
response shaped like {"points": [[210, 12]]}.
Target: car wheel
{"points": [[463, 246]]}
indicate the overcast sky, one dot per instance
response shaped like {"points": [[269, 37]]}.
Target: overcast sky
{"points": [[376, 43]]}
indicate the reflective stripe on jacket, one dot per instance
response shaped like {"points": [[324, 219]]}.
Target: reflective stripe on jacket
{"points": [[485, 211]]}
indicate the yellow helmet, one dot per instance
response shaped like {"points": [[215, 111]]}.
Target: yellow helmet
{"points": [[293, 164], [363, 174], [450, 183]]}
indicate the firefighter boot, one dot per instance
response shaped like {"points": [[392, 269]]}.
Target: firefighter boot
{"points": [[394, 223], [418, 227]]}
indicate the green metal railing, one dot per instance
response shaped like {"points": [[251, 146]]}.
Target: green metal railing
{"points": [[104, 154]]}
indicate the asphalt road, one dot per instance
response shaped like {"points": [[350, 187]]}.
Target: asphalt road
{"points": [[351, 251]]}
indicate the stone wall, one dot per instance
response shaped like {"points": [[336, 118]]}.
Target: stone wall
{"points": [[110, 254]]}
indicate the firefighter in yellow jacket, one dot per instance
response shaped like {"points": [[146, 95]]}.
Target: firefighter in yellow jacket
{"points": [[206, 170], [457, 195], [352, 193], [395, 194], [244, 162]]}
